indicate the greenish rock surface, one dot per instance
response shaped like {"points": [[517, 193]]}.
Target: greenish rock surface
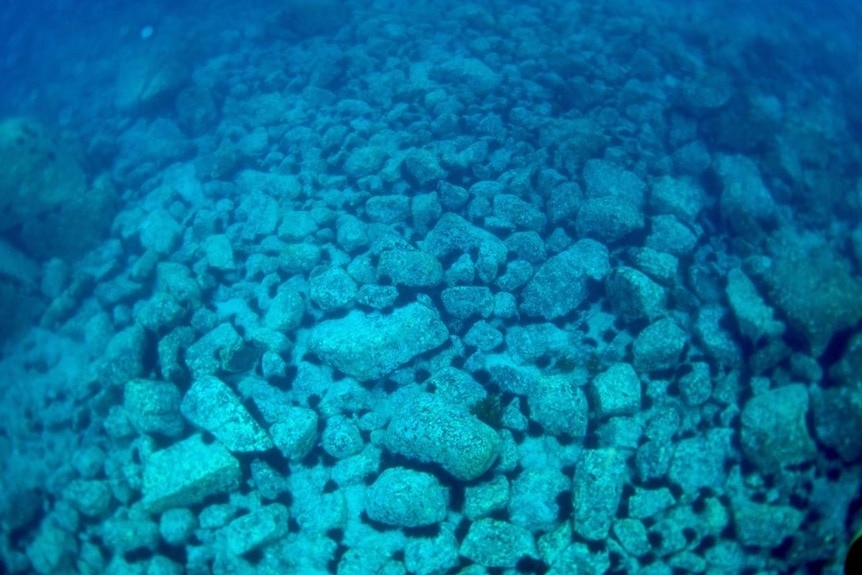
{"points": [[494, 543], [406, 498], [815, 290], [212, 405], [186, 473], [431, 429], [371, 346], [256, 529], [774, 429], [153, 407]]}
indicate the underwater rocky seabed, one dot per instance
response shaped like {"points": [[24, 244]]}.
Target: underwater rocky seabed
{"points": [[499, 288]]}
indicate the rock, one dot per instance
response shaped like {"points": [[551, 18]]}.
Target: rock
{"points": [[456, 386], [170, 349], [463, 302], [425, 210], [119, 290], [285, 312], [515, 213], [505, 305], [406, 498], [563, 202], [351, 233], [51, 550], [511, 378], [721, 345], [669, 235], [213, 406], [218, 252], [677, 197], [332, 289], [838, 408], [176, 280], [452, 198], [774, 429], [146, 148], [388, 209], [634, 297], [633, 536], [295, 434], [765, 525], [377, 297], [410, 268], [153, 407], [559, 406], [453, 235], [176, 526], [598, 485], [129, 531], [430, 429], [493, 543], [124, 357], [659, 346], [483, 336], [815, 289], [299, 258], [659, 266], [646, 503], [341, 437], [699, 462], [706, 92], [560, 284], [186, 473], [256, 529], [528, 247], [483, 499], [605, 179], [532, 342], [364, 161], [692, 159], [222, 348], [92, 497], [160, 313], [696, 385], [755, 319], [15, 265], [429, 555], [259, 214], [470, 73], [534, 500], [608, 219], [368, 347], [617, 391], [423, 166], [745, 202], [160, 232]]}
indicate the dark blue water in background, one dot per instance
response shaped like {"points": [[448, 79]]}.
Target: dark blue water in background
{"points": [[637, 227]]}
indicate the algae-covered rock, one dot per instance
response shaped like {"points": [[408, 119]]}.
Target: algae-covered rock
{"points": [[369, 346], [46, 200], [429, 428], [815, 289]]}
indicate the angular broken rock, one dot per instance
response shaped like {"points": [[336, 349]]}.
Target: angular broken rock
{"points": [[369, 346]]}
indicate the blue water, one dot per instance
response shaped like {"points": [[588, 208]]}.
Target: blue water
{"points": [[381, 287]]}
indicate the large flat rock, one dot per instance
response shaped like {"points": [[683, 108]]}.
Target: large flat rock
{"points": [[368, 347], [188, 472]]}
